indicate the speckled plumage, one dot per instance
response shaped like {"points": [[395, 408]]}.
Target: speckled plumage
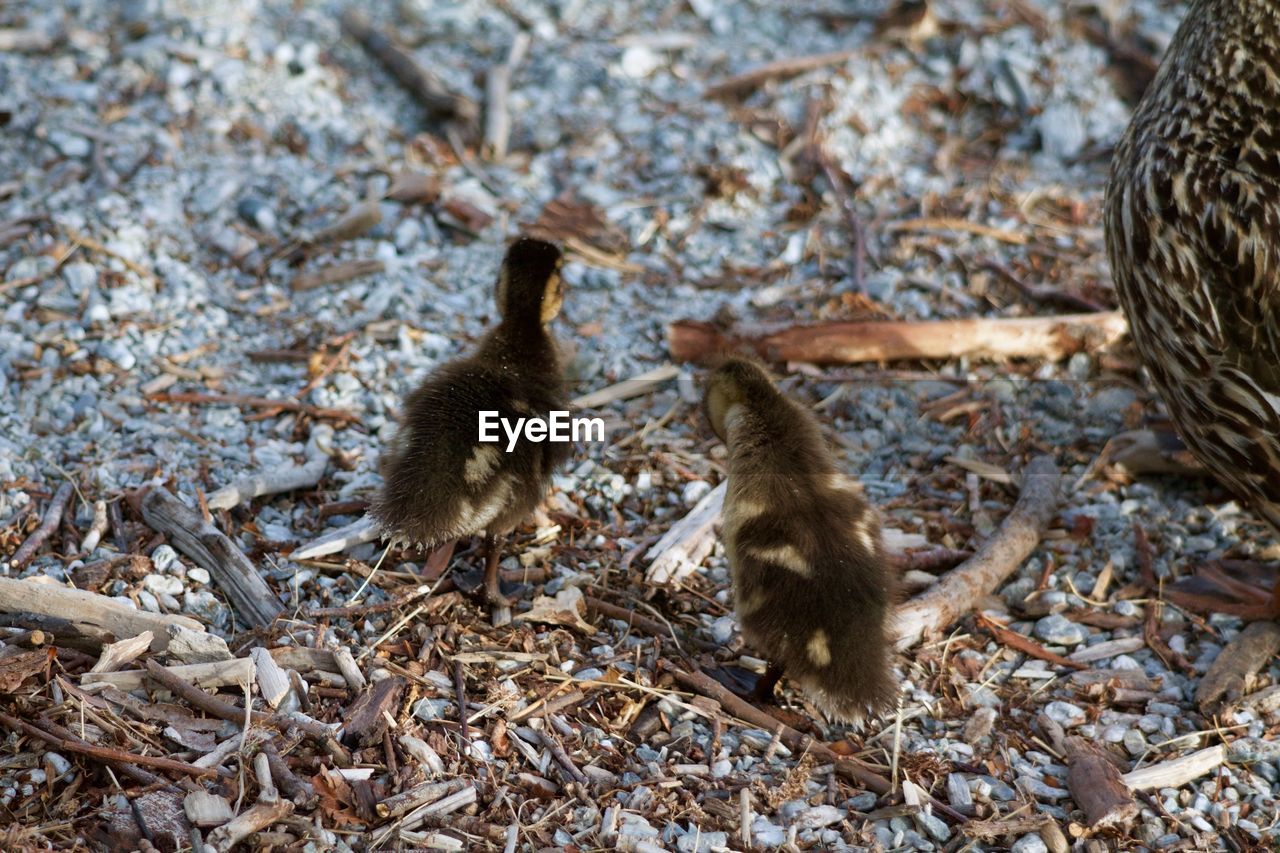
{"points": [[813, 588], [1193, 235], [441, 482]]}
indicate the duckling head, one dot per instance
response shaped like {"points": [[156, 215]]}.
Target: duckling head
{"points": [[734, 383], [529, 283]]}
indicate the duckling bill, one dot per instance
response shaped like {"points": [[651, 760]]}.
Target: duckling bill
{"points": [[441, 482], [813, 588]]}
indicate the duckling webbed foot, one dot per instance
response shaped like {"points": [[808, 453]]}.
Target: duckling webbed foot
{"points": [[492, 581], [763, 691]]}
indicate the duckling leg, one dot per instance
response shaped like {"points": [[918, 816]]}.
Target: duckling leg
{"points": [[492, 589], [763, 691]]}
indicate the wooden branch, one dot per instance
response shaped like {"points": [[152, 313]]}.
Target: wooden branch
{"points": [[336, 273], [1178, 772], [952, 224], [1025, 644], [231, 833], [497, 115], [686, 544], [102, 753], [426, 88], [223, 673], [96, 528], [1236, 664], [627, 388], [1096, 786], [358, 532], [247, 401], [126, 767], [960, 590], [52, 518], [303, 476], [251, 598], [91, 614], [743, 84], [988, 338]]}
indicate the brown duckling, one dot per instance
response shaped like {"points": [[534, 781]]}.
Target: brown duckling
{"points": [[441, 482], [813, 588]]}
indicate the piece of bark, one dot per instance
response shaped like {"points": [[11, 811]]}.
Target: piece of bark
{"points": [[986, 338], [92, 614], [49, 523], [117, 654], [197, 646], [273, 681], [305, 659], [358, 532], [424, 86], [262, 815], [743, 84], [1096, 786], [1231, 671], [336, 273], [206, 810], [250, 597], [961, 589], [367, 718], [228, 673], [409, 187], [686, 544]]}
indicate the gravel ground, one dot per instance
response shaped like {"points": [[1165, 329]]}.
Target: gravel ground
{"points": [[161, 158]]}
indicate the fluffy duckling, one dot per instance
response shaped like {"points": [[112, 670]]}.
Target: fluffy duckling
{"points": [[813, 589], [441, 483]]}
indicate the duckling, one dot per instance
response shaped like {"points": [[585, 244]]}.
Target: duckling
{"points": [[441, 483], [812, 584]]}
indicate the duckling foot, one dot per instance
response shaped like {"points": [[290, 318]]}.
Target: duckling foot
{"points": [[492, 582]]}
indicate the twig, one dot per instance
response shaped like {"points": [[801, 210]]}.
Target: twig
{"points": [[497, 116], [1178, 772], [96, 528], [252, 599], [250, 402], [959, 591], [746, 82], [363, 529], [950, 224], [557, 752], [52, 518], [989, 338], [102, 753], [633, 387], [336, 273], [1026, 645], [262, 815], [129, 768], [429, 91], [94, 246], [303, 476]]}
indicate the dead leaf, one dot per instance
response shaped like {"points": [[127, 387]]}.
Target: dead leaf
{"points": [[16, 669]]}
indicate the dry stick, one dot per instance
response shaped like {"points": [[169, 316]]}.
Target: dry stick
{"points": [[951, 224], [836, 177], [96, 528], [337, 273], [252, 599], [497, 115], [103, 753], [990, 338], [92, 615], [960, 590], [429, 91], [557, 752], [224, 710], [294, 788], [1230, 671], [684, 546], [128, 768], [250, 402], [288, 479], [1096, 786], [1178, 772], [52, 518], [1026, 645], [746, 82], [231, 833]]}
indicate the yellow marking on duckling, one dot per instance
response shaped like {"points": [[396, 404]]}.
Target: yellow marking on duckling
{"points": [[738, 511], [819, 648], [862, 529], [473, 519], [787, 556], [751, 602], [481, 464], [841, 483]]}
